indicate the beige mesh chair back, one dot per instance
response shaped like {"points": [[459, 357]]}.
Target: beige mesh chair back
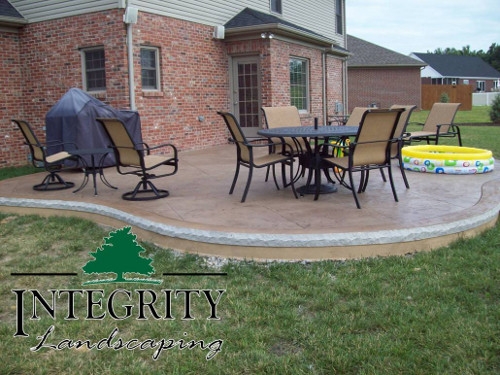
{"points": [[399, 133], [356, 116], [278, 117], [53, 163], [136, 158], [284, 116], [371, 149], [439, 124], [246, 155]]}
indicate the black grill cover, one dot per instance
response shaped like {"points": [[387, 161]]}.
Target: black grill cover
{"points": [[72, 119]]}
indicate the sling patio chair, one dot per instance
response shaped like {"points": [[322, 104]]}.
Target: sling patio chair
{"points": [[284, 116], [371, 149], [356, 116], [135, 158], [246, 154], [398, 135], [439, 124], [53, 163]]}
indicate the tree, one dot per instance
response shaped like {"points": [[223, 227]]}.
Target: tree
{"points": [[120, 254]]}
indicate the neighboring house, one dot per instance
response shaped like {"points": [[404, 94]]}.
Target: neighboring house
{"points": [[176, 62], [380, 77], [458, 70]]}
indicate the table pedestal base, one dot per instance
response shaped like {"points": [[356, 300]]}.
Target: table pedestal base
{"points": [[311, 189]]}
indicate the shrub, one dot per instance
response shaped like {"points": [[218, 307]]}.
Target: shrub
{"points": [[495, 109], [444, 98]]}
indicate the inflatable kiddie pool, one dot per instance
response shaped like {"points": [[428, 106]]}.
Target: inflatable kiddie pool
{"points": [[447, 159]]}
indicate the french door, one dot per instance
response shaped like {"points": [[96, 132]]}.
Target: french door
{"points": [[246, 93]]}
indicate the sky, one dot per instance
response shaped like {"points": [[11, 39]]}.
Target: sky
{"points": [[407, 26]]}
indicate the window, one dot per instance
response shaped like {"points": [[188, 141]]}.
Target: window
{"points": [[94, 71], [150, 73], [338, 17], [276, 6], [480, 86], [299, 87]]}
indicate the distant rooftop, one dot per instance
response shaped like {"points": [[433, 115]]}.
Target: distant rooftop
{"points": [[458, 66], [366, 54]]}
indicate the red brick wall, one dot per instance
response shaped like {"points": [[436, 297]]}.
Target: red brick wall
{"points": [[194, 83], [50, 64], [44, 61], [11, 149], [275, 74], [383, 86]]}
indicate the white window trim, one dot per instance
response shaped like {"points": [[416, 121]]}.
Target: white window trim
{"points": [[308, 96], [157, 64], [84, 69]]}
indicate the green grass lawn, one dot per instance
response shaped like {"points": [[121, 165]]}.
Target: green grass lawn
{"points": [[426, 313], [478, 114]]}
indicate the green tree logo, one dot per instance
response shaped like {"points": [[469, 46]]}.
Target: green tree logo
{"points": [[120, 255]]}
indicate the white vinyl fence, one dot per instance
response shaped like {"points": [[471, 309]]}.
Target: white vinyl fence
{"points": [[483, 98]]}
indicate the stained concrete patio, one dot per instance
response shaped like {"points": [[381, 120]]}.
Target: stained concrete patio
{"points": [[201, 217]]}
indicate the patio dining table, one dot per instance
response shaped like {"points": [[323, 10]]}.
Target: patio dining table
{"points": [[312, 155], [94, 168]]}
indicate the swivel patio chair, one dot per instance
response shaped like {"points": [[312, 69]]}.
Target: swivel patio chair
{"points": [[439, 124], [53, 163], [135, 158], [371, 149], [246, 154]]}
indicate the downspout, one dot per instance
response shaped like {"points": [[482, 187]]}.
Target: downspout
{"points": [[344, 88], [130, 54], [325, 104], [129, 18]]}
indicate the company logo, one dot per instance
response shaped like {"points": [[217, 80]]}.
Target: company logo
{"points": [[121, 256]]}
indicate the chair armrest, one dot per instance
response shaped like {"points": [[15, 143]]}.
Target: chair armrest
{"points": [[262, 142], [164, 145], [438, 126]]}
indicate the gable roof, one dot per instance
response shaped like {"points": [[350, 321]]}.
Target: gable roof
{"points": [[366, 54], [9, 15], [249, 20], [458, 66]]}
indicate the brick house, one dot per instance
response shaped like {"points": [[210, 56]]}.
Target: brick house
{"points": [[381, 77], [459, 70], [175, 62]]}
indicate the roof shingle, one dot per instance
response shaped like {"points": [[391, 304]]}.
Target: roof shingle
{"points": [[366, 54], [7, 10], [459, 66]]}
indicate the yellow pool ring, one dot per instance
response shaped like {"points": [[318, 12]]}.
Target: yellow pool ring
{"points": [[447, 159]]}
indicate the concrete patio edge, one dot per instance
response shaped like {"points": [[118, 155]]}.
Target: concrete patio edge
{"points": [[275, 240]]}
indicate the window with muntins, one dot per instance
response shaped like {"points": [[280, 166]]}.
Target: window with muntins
{"points": [[276, 6], [150, 73], [299, 86], [338, 17], [94, 69]]}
